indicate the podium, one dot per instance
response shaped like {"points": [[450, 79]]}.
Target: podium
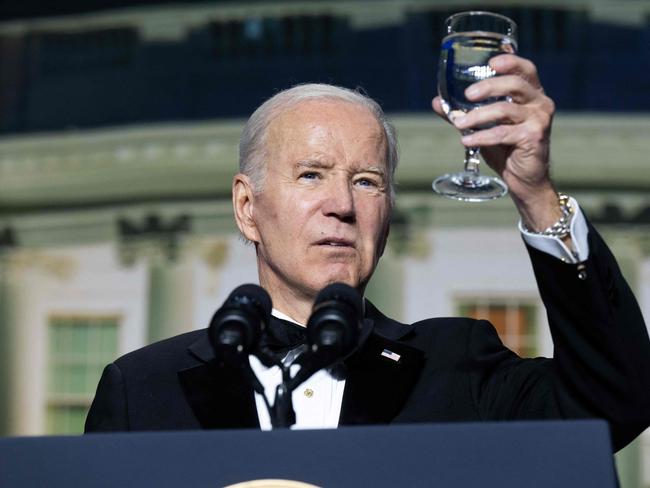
{"points": [[508, 454]]}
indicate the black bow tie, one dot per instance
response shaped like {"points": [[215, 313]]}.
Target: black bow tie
{"points": [[282, 336]]}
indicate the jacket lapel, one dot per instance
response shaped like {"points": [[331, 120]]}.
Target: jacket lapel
{"points": [[381, 374], [220, 395]]}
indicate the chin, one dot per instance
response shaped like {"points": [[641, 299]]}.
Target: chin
{"points": [[339, 276]]}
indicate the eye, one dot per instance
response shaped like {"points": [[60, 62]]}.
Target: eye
{"points": [[309, 175], [366, 183]]}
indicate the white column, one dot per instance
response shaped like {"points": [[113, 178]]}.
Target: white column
{"points": [[22, 348], [171, 298], [160, 242], [7, 339]]}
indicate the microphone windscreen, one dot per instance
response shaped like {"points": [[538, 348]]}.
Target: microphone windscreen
{"points": [[252, 293], [341, 292]]}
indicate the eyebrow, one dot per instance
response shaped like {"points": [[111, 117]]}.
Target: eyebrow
{"points": [[374, 169], [312, 163], [315, 164]]}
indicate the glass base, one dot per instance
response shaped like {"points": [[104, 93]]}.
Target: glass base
{"points": [[469, 187]]}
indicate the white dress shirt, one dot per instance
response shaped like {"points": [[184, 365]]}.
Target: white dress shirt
{"points": [[555, 247], [317, 401]]}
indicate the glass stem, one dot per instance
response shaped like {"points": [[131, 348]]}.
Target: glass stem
{"points": [[472, 160]]}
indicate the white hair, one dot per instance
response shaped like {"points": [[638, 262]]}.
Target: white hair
{"points": [[252, 145]]}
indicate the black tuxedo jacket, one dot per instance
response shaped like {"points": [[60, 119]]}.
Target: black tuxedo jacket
{"points": [[450, 369]]}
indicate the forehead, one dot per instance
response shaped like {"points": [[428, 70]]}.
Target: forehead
{"points": [[329, 125]]}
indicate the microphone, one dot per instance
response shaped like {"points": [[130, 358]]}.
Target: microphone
{"points": [[235, 328], [333, 328]]}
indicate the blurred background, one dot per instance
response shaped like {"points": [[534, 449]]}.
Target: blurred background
{"points": [[119, 125]]}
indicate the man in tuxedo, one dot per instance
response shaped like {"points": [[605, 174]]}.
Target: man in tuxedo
{"points": [[314, 195]]}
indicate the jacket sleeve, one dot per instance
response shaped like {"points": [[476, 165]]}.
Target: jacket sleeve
{"points": [[601, 362], [108, 412]]}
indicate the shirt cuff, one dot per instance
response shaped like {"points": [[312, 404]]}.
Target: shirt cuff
{"points": [[555, 247]]}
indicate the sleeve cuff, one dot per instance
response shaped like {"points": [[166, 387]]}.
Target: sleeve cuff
{"points": [[555, 247]]}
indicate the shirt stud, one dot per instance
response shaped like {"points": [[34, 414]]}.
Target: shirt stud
{"points": [[309, 392]]}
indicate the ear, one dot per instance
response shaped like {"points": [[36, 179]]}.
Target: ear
{"points": [[243, 199]]}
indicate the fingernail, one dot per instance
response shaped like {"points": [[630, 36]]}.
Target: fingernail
{"points": [[472, 92]]}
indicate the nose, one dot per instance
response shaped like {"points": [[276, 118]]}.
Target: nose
{"points": [[339, 202]]}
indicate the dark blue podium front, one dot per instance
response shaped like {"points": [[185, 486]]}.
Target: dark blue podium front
{"points": [[509, 454]]}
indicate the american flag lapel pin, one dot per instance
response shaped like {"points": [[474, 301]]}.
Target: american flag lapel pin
{"points": [[387, 353]]}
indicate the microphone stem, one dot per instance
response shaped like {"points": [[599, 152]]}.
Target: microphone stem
{"points": [[283, 414]]}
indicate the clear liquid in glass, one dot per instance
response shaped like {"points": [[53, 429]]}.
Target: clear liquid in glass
{"points": [[474, 37], [463, 61]]}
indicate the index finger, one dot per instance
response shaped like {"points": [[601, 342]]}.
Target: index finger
{"points": [[513, 64]]}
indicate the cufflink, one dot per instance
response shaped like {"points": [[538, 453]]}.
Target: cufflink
{"points": [[582, 271]]}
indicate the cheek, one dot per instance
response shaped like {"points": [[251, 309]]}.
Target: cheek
{"points": [[373, 221], [372, 246], [287, 220]]}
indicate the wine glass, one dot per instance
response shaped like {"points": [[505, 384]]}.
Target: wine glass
{"points": [[472, 39]]}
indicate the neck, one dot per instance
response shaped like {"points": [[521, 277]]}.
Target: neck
{"points": [[291, 301], [291, 305], [283, 316]]}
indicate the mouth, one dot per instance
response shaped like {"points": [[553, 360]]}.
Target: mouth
{"points": [[335, 242]]}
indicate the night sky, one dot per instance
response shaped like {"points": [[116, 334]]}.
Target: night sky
{"points": [[13, 9]]}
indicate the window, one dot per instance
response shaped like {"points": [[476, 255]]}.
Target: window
{"points": [[540, 29], [79, 348], [84, 51], [513, 320], [302, 35]]}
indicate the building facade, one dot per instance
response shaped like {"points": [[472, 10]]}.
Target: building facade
{"points": [[116, 226]]}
